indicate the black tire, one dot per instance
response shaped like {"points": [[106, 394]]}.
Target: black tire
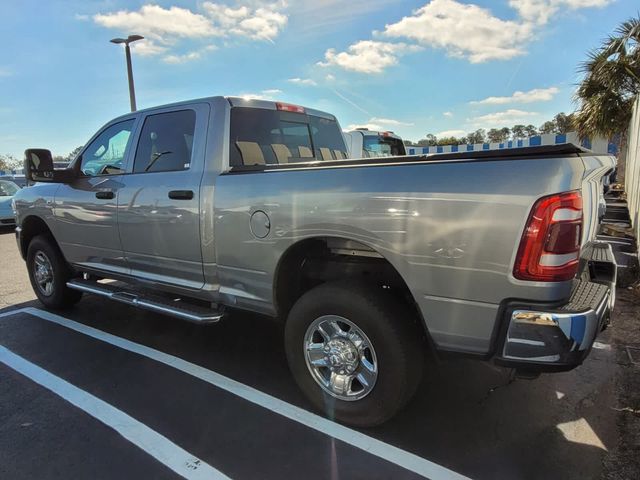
{"points": [[60, 296], [394, 334]]}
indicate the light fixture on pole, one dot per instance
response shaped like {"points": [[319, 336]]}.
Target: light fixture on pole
{"points": [[127, 41]]}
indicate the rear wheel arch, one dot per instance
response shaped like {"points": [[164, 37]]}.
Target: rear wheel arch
{"points": [[297, 272]]}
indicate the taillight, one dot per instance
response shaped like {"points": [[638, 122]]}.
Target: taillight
{"points": [[287, 107], [550, 247]]}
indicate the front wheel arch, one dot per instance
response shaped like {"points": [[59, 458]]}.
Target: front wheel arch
{"points": [[31, 227]]}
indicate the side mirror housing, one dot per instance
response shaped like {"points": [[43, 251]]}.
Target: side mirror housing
{"points": [[38, 167]]}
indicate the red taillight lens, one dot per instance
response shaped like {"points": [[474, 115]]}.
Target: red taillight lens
{"points": [[550, 247], [287, 107]]}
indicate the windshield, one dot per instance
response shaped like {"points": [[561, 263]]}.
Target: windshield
{"points": [[270, 137], [7, 188], [378, 146]]}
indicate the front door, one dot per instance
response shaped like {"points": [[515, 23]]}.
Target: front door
{"points": [[158, 206], [86, 209]]}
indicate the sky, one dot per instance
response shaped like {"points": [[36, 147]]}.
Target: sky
{"points": [[445, 67]]}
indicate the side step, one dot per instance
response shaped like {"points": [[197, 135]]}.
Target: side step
{"points": [[178, 309]]}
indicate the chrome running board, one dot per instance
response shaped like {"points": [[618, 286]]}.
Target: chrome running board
{"points": [[178, 309]]}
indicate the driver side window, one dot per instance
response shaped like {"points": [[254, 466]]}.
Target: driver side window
{"points": [[105, 155]]}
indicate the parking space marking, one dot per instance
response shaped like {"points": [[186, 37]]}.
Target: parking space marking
{"points": [[383, 450], [150, 441]]}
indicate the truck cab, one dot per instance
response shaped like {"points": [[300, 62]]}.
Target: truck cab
{"points": [[365, 143]]}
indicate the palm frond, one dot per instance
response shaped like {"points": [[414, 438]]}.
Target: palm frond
{"points": [[611, 83]]}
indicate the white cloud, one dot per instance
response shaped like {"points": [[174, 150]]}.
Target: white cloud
{"points": [[540, 11], [367, 56], [390, 122], [187, 57], [330, 77], [272, 91], [463, 30], [156, 22], [447, 114], [379, 124], [5, 72], [262, 23], [535, 95], [500, 119], [147, 48], [163, 27], [303, 81], [82, 17], [451, 133]]}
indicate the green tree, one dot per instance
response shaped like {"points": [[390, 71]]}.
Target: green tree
{"points": [[563, 122], [611, 83], [548, 127], [494, 135], [479, 136], [531, 131], [428, 141], [450, 141], [9, 162], [74, 153], [518, 131]]}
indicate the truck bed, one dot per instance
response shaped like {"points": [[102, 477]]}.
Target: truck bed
{"points": [[560, 150]]}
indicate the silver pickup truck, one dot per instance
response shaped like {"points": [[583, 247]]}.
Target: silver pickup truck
{"points": [[203, 207]]}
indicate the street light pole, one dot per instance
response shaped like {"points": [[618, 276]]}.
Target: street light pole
{"points": [[127, 50]]}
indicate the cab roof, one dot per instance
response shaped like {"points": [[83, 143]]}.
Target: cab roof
{"points": [[234, 102]]}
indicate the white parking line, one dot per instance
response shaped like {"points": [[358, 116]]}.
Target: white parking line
{"points": [[159, 447], [359, 440]]}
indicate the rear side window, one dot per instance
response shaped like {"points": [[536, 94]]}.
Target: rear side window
{"points": [[271, 137], [166, 142]]}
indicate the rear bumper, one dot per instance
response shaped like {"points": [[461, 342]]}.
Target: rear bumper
{"points": [[554, 339], [551, 338]]}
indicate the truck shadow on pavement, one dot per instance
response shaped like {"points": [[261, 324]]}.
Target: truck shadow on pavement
{"points": [[469, 416]]}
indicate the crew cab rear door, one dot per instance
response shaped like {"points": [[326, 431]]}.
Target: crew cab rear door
{"points": [[158, 204]]}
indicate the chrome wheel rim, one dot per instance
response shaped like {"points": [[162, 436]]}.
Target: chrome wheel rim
{"points": [[340, 358], [43, 273]]}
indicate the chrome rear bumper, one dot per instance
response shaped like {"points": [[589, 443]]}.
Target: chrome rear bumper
{"points": [[556, 338]]}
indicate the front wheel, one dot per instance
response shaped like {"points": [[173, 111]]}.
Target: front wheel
{"points": [[49, 273], [355, 351]]}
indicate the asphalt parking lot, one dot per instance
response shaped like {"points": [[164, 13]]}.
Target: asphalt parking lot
{"points": [[106, 391]]}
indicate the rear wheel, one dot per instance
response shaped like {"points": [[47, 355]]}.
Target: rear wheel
{"points": [[49, 273], [355, 351]]}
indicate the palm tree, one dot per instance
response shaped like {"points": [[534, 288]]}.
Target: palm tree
{"points": [[611, 83]]}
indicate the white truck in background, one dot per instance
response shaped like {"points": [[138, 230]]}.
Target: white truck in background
{"points": [[365, 143]]}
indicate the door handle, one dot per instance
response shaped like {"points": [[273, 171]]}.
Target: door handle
{"points": [[181, 194], [105, 195]]}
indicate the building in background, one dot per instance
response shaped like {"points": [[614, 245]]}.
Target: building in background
{"points": [[599, 145]]}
